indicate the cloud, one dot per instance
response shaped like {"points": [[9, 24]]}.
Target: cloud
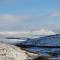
{"points": [[27, 33], [43, 32], [10, 19], [54, 14], [13, 17]]}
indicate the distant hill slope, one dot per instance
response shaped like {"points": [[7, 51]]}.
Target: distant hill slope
{"points": [[52, 40]]}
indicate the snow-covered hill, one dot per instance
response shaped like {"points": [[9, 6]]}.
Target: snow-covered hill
{"points": [[52, 40]]}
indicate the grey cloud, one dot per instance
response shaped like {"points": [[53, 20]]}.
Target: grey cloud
{"points": [[54, 14], [10, 21]]}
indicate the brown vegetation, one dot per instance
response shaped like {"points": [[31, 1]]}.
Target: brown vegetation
{"points": [[41, 58]]}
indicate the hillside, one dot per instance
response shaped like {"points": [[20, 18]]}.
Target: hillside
{"points": [[51, 40]]}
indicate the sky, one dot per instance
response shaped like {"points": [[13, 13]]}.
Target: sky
{"points": [[17, 15]]}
